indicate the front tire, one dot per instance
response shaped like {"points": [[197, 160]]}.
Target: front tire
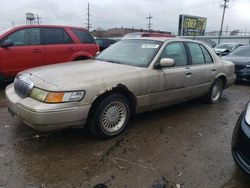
{"points": [[110, 116], [215, 91]]}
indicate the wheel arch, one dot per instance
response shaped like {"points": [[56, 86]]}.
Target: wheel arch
{"points": [[119, 89], [223, 77]]}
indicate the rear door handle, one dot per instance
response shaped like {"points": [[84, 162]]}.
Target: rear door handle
{"points": [[213, 70], [36, 51]]}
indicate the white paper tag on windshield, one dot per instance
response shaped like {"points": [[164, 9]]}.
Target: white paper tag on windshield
{"points": [[150, 46]]}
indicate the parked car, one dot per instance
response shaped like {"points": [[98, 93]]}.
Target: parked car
{"points": [[131, 76], [104, 43], [241, 141], [241, 58], [36, 45], [146, 34], [225, 48], [210, 42]]}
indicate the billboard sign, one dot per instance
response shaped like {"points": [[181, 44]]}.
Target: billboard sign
{"points": [[191, 25]]}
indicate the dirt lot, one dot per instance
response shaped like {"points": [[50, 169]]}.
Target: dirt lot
{"points": [[186, 144]]}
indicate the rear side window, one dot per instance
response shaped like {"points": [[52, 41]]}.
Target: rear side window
{"points": [[84, 36], [25, 37], [207, 56], [196, 53], [176, 51], [57, 36]]}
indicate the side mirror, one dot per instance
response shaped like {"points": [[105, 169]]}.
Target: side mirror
{"points": [[167, 62], [7, 43]]}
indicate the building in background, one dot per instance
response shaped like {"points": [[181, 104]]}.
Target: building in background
{"points": [[120, 32]]}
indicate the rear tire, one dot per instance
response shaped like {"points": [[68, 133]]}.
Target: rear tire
{"points": [[80, 58], [215, 91], [110, 116]]}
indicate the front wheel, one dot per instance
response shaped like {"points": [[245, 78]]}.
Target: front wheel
{"points": [[110, 117], [215, 91]]}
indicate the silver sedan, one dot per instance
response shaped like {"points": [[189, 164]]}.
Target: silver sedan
{"points": [[131, 76]]}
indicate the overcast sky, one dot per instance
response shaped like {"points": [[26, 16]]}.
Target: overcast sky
{"points": [[127, 13]]}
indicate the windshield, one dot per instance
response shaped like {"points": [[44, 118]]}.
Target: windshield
{"points": [[131, 52], [225, 46], [241, 51], [4, 31]]}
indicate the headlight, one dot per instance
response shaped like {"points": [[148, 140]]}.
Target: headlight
{"points": [[247, 117], [56, 97]]}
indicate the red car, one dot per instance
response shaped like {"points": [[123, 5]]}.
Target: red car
{"points": [[36, 45]]}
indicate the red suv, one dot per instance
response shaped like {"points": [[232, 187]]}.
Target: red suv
{"points": [[36, 45]]}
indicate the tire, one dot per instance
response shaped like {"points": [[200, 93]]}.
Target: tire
{"points": [[110, 116], [215, 91]]}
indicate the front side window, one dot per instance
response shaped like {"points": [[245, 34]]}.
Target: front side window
{"points": [[131, 52], [177, 52], [57, 36], [84, 36], [25, 37], [196, 53]]}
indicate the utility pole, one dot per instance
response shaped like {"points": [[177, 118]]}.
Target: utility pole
{"points": [[88, 20], [38, 19], [226, 30], [224, 6], [149, 22]]}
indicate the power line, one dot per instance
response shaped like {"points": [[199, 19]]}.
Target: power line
{"points": [[224, 6], [149, 22]]}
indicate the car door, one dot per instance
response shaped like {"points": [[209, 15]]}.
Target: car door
{"points": [[174, 81], [203, 70], [59, 46], [26, 52]]}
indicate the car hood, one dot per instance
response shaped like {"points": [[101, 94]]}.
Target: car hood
{"points": [[75, 75], [218, 50], [237, 60]]}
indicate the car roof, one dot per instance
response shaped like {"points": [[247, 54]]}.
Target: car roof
{"points": [[163, 39], [51, 26]]}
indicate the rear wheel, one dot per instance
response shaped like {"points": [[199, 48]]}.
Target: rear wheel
{"points": [[215, 91], [110, 117], [80, 58]]}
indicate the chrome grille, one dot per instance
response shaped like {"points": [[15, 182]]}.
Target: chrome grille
{"points": [[23, 85]]}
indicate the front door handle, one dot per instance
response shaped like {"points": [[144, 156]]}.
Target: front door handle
{"points": [[71, 50], [189, 73], [213, 70]]}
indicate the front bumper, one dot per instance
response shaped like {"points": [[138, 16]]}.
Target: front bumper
{"points": [[46, 117], [243, 74], [241, 144]]}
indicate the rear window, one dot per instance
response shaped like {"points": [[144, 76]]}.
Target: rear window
{"points": [[84, 36], [57, 36]]}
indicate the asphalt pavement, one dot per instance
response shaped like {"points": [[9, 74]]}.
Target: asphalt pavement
{"points": [[185, 145]]}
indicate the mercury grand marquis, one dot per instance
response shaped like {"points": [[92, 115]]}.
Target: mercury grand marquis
{"points": [[131, 76]]}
